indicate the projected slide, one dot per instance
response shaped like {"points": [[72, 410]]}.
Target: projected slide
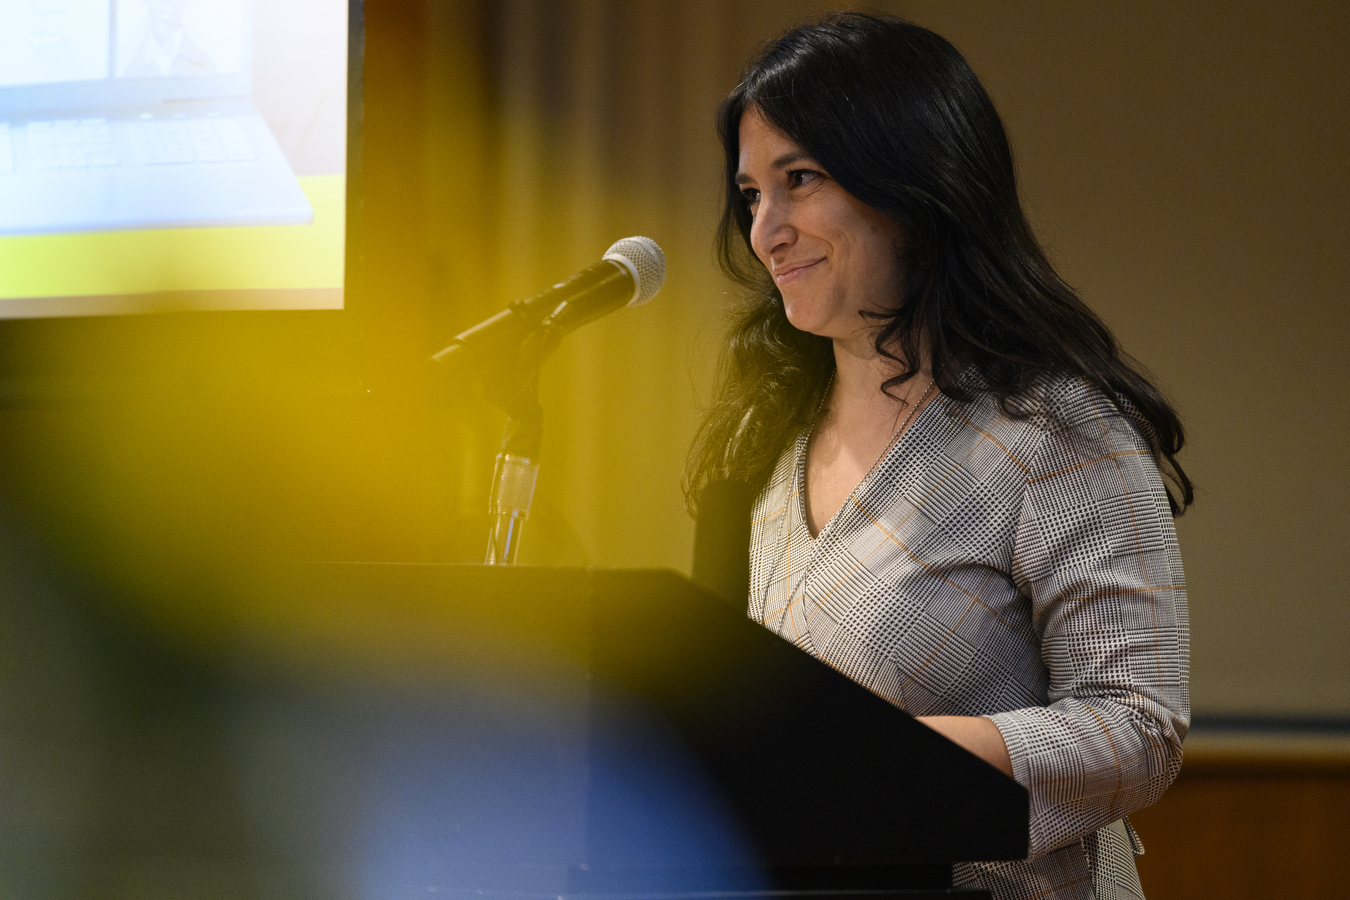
{"points": [[167, 154]]}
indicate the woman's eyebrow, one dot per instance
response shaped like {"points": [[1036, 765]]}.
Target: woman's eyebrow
{"points": [[788, 159], [781, 162]]}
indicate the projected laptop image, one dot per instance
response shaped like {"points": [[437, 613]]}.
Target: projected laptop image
{"points": [[130, 114]]}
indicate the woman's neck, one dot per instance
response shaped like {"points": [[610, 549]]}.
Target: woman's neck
{"points": [[858, 424], [861, 373]]}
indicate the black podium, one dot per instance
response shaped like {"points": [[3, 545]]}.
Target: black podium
{"points": [[642, 736]]}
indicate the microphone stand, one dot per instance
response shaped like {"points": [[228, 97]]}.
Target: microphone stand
{"points": [[513, 388]]}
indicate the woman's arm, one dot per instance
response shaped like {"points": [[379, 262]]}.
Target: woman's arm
{"points": [[979, 736], [1096, 553]]}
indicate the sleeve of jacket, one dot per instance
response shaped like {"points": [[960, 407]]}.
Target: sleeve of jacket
{"points": [[1096, 551]]}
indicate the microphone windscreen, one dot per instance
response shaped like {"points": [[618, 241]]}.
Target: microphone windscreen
{"points": [[645, 261]]}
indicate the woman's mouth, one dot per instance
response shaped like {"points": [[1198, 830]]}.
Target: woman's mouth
{"points": [[795, 271]]}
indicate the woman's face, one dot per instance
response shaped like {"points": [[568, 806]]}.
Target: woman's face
{"points": [[831, 255]]}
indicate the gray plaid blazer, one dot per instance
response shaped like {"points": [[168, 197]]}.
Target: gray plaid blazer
{"points": [[1025, 570]]}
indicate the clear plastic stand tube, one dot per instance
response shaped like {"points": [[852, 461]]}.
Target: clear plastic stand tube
{"points": [[512, 492]]}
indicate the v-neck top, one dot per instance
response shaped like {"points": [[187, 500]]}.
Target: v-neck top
{"points": [[1023, 569], [799, 547]]}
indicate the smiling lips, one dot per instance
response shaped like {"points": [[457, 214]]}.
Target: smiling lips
{"points": [[793, 272]]}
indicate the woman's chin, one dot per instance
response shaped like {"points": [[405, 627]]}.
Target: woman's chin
{"points": [[803, 318], [820, 328]]}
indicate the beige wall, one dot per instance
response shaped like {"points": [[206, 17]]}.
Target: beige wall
{"points": [[1186, 167]]}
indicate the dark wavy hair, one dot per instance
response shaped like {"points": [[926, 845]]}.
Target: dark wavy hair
{"points": [[897, 117]]}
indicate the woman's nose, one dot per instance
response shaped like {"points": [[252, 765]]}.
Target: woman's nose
{"points": [[771, 228]]}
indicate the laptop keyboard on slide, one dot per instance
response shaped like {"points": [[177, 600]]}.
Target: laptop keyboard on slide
{"points": [[84, 143], [186, 168]]}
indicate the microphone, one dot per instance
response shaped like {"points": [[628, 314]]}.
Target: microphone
{"points": [[630, 273]]}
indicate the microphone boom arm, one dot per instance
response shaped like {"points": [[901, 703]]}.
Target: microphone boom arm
{"points": [[507, 351]]}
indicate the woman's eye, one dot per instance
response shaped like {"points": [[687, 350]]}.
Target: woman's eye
{"points": [[751, 195], [799, 177]]}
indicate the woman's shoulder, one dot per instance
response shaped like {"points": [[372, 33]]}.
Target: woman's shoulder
{"points": [[1071, 403], [1057, 410], [1053, 402]]}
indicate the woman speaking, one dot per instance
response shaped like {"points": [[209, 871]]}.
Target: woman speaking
{"points": [[960, 477]]}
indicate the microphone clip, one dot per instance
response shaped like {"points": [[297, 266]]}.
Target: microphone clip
{"points": [[513, 388]]}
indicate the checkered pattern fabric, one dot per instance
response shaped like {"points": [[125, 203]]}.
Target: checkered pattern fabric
{"points": [[1026, 570]]}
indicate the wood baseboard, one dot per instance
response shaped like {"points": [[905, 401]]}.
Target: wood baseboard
{"points": [[1251, 816]]}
